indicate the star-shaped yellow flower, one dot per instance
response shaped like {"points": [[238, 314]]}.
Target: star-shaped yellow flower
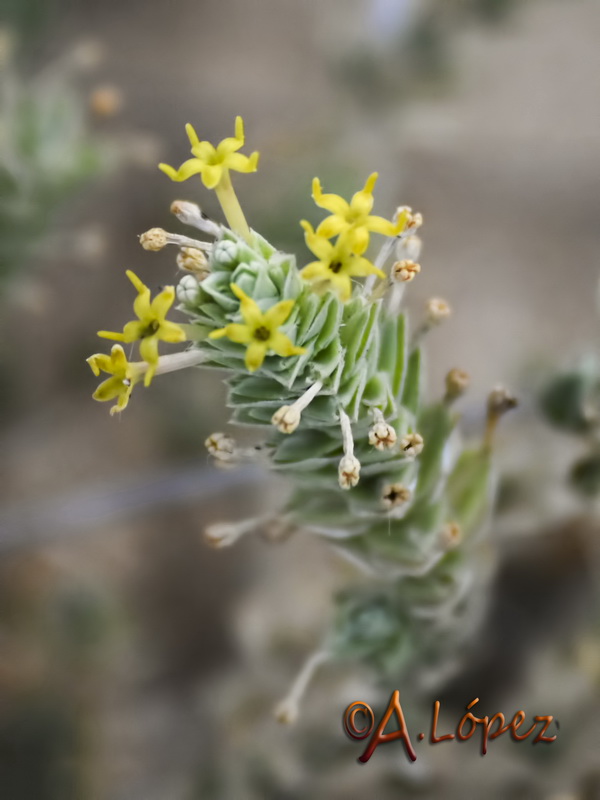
{"points": [[260, 330], [353, 218], [150, 326], [123, 378], [213, 163], [337, 263]]}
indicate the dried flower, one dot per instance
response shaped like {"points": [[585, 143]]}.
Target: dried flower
{"points": [[412, 444], [394, 495], [405, 270]]}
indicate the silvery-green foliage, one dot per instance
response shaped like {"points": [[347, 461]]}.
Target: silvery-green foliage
{"points": [[419, 589]]}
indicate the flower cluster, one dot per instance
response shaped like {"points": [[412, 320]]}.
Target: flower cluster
{"points": [[351, 225], [327, 366]]}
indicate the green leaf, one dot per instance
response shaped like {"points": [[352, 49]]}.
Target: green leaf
{"points": [[469, 488], [412, 384]]}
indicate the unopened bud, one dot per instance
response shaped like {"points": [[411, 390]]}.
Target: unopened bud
{"points": [[405, 270], [193, 260], [437, 310], [221, 446], [225, 253], [222, 534], [154, 239], [412, 444], [382, 436], [394, 495], [287, 711], [286, 419], [500, 400], [187, 290], [349, 472], [457, 383], [414, 220], [106, 101], [450, 535], [192, 214]]}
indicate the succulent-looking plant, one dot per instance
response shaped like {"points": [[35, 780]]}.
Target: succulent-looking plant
{"points": [[326, 365]]}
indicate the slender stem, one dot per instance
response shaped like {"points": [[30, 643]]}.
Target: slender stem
{"points": [[177, 361], [379, 262], [231, 207], [347, 438], [309, 395]]}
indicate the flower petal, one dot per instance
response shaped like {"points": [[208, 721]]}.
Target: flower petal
{"points": [[384, 226], [134, 330], [171, 332], [251, 313], [255, 355], [242, 334], [149, 352], [359, 237], [122, 401], [320, 246], [362, 202], [314, 271], [359, 267], [211, 175], [190, 167], [242, 163], [192, 135], [162, 303], [109, 389], [331, 202], [119, 361], [119, 337], [204, 152], [283, 346], [233, 143], [342, 285], [331, 226], [278, 314]]}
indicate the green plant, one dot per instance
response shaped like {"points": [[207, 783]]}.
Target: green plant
{"points": [[327, 366]]}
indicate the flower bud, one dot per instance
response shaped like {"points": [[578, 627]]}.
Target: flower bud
{"points": [[193, 260], [222, 534], [457, 383], [394, 495], [382, 436], [437, 310], [154, 239], [221, 446], [187, 290], [405, 270], [286, 419], [450, 535], [349, 472], [225, 253], [500, 400], [287, 711], [412, 444]]}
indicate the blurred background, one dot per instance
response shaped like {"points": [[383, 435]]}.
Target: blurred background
{"points": [[137, 663]]}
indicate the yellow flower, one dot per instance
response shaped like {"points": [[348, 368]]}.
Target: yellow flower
{"points": [[124, 377], [213, 163], [150, 326], [259, 330], [354, 217], [337, 263]]}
